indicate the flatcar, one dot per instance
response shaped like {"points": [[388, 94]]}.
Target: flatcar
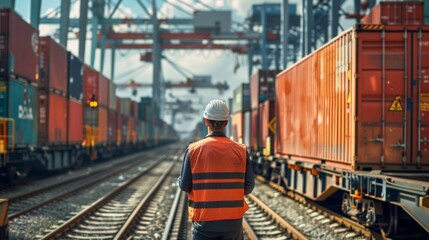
{"points": [[57, 112], [350, 122]]}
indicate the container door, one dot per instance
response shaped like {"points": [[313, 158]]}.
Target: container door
{"points": [[23, 108], [384, 90], [420, 102]]}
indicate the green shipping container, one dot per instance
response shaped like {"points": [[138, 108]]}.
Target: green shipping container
{"points": [[18, 100]]}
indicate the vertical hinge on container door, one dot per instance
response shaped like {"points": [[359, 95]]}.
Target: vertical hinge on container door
{"points": [[383, 77], [404, 157], [419, 103]]}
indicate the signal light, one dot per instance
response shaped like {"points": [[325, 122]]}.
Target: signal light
{"points": [[93, 102]]}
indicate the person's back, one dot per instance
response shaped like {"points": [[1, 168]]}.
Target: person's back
{"points": [[216, 173]]}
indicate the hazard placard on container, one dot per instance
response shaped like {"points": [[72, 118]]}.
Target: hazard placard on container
{"points": [[396, 105], [424, 102]]}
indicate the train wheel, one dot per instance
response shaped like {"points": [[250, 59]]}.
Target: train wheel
{"points": [[388, 220], [21, 171]]}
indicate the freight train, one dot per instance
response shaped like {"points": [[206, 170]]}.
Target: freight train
{"points": [[57, 112], [348, 125]]}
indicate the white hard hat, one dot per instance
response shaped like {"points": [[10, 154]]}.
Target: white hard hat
{"points": [[216, 110]]}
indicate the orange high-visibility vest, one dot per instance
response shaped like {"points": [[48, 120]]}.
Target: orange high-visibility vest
{"points": [[218, 167]]}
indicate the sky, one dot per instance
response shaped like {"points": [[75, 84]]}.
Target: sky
{"points": [[218, 64]]}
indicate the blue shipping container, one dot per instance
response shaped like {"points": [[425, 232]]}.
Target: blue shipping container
{"points": [[75, 77], [21, 101]]}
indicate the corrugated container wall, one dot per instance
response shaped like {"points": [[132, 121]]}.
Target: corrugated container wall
{"points": [[125, 106], [246, 129], [144, 108], [134, 109], [75, 122], [103, 91], [237, 127], [90, 84], [262, 87], [267, 125], [90, 116], [18, 47], [103, 131], [53, 66], [21, 99], [241, 102], [112, 126], [254, 130], [112, 95], [118, 132], [75, 77], [396, 13], [372, 114]]}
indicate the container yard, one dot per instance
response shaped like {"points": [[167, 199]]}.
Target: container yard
{"points": [[199, 119]]}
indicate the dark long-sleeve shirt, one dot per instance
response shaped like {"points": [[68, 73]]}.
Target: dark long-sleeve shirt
{"points": [[185, 183]]}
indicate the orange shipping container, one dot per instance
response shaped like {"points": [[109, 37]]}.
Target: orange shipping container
{"points": [[237, 126], [267, 124], [102, 125], [75, 122], [396, 13], [53, 66], [359, 102], [103, 90], [132, 135]]}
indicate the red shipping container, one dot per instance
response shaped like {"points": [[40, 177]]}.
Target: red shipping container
{"points": [[370, 113], [262, 87], [102, 125], [119, 132], [18, 46], [53, 66], [75, 122], [254, 130], [90, 84], [237, 123], [396, 13], [134, 109], [124, 129], [132, 135], [112, 127], [52, 119], [103, 91], [267, 126]]}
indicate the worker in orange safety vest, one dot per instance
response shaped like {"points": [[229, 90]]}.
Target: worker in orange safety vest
{"points": [[217, 173]]}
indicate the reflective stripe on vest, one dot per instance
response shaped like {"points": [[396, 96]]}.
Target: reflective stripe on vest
{"points": [[218, 167]]}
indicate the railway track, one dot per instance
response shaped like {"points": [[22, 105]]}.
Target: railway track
{"points": [[33, 221], [296, 218], [109, 217]]}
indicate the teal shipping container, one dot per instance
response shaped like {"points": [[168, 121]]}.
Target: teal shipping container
{"points": [[18, 100]]}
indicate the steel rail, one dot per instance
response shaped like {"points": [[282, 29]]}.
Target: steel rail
{"points": [[295, 233], [69, 192], [96, 205], [122, 233], [249, 231]]}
